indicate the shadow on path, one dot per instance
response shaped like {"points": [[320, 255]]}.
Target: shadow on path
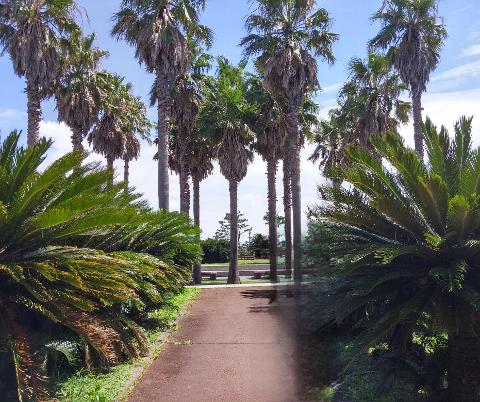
{"points": [[223, 352]]}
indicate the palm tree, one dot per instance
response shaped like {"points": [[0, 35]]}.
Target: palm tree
{"points": [[331, 138], [108, 136], [409, 242], [413, 35], [123, 119], [31, 32], [201, 166], [370, 99], [46, 215], [268, 143], [288, 35], [225, 115], [186, 104], [136, 127], [157, 30], [77, 93]]}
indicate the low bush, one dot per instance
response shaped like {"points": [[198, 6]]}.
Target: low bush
{"points": [[215, 251]]}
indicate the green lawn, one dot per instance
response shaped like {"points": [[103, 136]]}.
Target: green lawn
{"points": [[106, 387], [244, 262]]}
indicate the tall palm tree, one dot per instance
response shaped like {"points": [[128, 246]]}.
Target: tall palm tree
{"points": [[370, 99], [31, 32], [201, 166], [122, 117], [225, 115], [331, 138], [157, 30], [136, 127], [268, 143], [288, 35], [187, 98], [77, 92], [413, 34]]}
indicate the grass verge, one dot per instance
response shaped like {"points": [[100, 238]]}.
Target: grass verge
{"points": [[117, 384]]}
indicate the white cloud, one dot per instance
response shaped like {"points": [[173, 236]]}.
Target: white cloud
{"points": [[473, 50], [446, 108], [11, 114], [331, 88], [469, 70]]}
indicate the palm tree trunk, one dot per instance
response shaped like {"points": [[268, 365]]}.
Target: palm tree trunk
{"points": [[77, 139], [417, 121], [294, 149], [233, 276], [126, 173], [110, 164], [34, 113], [272, 215], [31, 386], [463, 367], [184, 174], [164, 101], [197, 268], [287, 210]]}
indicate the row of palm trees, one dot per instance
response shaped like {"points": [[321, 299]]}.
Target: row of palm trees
{"points": [[202, 117], [402, 57]]}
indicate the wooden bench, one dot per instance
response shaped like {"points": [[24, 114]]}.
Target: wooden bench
{"points": [[247, 257], [211, 274], [261, 274]]}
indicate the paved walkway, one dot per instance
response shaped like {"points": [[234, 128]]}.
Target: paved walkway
{"points": [[235, 345]]}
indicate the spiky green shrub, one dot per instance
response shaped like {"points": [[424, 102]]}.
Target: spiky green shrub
{"points": [[45, 214], [407, 248]]}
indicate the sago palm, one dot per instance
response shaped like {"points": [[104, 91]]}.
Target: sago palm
{"points": [[413, 34], [78, 92], [409, 246], [31, 32], [158, 30], [288, 36], [45, 215], [225, 115]]}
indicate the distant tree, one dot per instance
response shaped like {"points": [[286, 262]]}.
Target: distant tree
{"points": [[280, 219], [223, 232], [259, 246]]}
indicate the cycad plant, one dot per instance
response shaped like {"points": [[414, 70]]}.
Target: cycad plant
{"points": [[412, 34], [224, 116], [410, 247], [158, 30], [31, 32], [47, 217]]}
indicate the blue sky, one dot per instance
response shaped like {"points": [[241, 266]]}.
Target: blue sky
{"points": [[454, 88]]}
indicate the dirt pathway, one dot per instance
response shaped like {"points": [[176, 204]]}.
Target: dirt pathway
{"points": [[236, 345]]}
